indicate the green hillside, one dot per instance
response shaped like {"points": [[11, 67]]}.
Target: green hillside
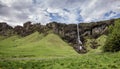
{"points": [[1, 38], [101, 41], [35, 45]]}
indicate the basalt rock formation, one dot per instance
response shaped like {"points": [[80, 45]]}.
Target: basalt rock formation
{"points": [[28, 28], [5, 29], [67, 32]]}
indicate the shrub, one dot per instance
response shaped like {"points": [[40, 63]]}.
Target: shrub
{"points": [[113, 41]]}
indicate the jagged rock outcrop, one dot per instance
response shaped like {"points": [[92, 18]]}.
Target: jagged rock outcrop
{"points": [[5, 29], [19, 30], [29, 28], [69, 32]]}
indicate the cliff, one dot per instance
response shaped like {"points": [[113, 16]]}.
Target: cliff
{"points": [[68, 32]]}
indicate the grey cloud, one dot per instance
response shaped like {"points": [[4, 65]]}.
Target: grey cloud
{"points": [[18, 11]]}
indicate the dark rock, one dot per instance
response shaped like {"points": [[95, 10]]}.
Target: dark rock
{"points": [[29, 28], [19, 30], [27, 25], [5, 29]]}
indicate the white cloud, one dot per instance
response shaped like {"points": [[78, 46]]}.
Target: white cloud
{"points": [[70, 11], [97, 8]]}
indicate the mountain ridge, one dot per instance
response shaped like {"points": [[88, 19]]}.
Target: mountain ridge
{"points": [[68, 32]]}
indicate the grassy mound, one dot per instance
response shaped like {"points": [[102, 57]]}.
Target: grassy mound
{"points": [[35, 45]]}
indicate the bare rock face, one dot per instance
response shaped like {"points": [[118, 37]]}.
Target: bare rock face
{"points": [[19, 30], [69, 32], [27, 25], [5, 29], [28, 28]]}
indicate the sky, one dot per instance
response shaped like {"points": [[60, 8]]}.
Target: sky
{"points": [[17, 12]]}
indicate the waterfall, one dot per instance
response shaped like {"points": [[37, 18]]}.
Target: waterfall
{"points": [[79, 41]]}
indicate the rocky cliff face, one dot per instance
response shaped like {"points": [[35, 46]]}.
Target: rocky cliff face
{"points": [[5, 29], [28, 28], [67, 32]]}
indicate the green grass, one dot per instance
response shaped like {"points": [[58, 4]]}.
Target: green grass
{"points": [[37, 51], [91, 61], [101, 41], [35, 45], [2, 37]]}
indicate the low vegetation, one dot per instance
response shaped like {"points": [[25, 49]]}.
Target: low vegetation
{"points": [[95, 45], [113, 41], [35, 45], [91, 61]]}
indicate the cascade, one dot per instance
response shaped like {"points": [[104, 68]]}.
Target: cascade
{"points": [[78, 38]]}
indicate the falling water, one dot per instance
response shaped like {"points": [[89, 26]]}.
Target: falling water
{"points": [[79, 41]]}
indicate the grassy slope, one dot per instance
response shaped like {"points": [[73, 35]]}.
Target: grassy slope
{"points": [[2, 37], [35, 45], [52, 45], [101, 40]]}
